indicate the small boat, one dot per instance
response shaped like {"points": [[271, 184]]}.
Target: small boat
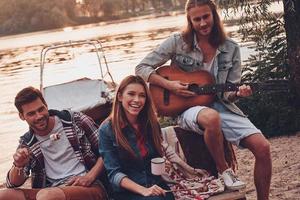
{"points": [[90, 96]]}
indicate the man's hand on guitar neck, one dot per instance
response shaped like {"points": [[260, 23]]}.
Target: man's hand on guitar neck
{"points": [[244, 91]]}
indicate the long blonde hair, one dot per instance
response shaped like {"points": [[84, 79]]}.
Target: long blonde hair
{"points": [[146, 117], [217, 36]]}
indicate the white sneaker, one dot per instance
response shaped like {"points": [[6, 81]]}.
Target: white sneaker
{"points": [[231, 180]]}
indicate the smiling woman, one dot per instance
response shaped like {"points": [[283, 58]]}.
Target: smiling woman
{"points": [[133, 99], [129, 139]]}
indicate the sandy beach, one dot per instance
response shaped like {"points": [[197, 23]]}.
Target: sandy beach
{"points": [[286, 168]]}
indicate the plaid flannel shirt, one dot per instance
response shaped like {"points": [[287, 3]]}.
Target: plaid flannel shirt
{"points": [[82, 133]]}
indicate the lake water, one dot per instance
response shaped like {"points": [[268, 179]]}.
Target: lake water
{"points": [[125, 44]]}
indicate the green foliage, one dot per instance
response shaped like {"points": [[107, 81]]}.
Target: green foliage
{"points": [[274, 113], [93, 7], [110, 7], [19, 16]]}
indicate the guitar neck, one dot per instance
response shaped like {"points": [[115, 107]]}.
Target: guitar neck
{"points": [[212, 89], [215, 88]]}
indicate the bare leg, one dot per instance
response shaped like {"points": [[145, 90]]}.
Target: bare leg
{"points": [[50, 194], [72, 192], [210, 120], [11, 194], [260, 147]]}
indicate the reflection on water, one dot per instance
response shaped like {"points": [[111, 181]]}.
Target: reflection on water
{"points": [[125, 44]]}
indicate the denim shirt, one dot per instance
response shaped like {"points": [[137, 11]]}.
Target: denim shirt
{"points": [[120, 164], [226, 67]]}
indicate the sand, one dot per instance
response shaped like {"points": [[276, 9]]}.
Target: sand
{"points": [[285, 182], [286, 168]]}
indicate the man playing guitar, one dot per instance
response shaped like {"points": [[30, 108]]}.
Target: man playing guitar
{"points": [[203, 45]]}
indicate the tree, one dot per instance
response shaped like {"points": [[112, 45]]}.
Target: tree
{"points": [[93, 7], [292, 27], [19, 16], [110, 7], [277, 47]]}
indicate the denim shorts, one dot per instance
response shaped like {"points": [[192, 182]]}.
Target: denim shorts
{"points": [[234, 127]]}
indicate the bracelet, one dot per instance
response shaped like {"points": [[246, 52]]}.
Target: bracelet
{"points": [[19, 169]]}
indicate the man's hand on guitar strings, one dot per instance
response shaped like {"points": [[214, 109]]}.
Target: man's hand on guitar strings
{"points": [[244, 91], [180, 88]]}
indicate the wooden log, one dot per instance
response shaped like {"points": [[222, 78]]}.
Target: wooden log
{"points": [[197, 154], [195, 150], [229, 195], [99, 113]]}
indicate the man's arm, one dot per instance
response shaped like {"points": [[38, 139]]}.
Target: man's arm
{"points": [[160, 55], [177, 87], [90, 129], [16, 175], [234, 76]]}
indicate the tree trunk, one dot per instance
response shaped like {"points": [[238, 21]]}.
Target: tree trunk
{"points": [[133, 6], [292, 27]]}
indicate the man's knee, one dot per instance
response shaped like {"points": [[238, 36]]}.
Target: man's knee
{"points": [[262, 150], [11, 194], [209, 119], [50, 194], [4, 194]]}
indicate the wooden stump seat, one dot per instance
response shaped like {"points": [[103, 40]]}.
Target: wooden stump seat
{"points": [[198, 156]]}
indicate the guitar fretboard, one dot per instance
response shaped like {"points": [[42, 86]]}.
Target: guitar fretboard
{"points": [[215, 88]]}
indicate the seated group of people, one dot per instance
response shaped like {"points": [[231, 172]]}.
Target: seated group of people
{"points": [[66, 152]]}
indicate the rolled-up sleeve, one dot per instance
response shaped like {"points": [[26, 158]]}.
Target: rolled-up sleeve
{"points": [[235, 73], [156, 58], [109, 152]]}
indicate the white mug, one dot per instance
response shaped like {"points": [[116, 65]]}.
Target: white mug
{"points": [[158, 166]]}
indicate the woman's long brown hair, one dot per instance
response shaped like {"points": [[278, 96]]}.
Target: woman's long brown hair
{"points": [[146, 118], [217, 36]]}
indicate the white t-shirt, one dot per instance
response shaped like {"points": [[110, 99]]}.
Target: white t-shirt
{"points": [[59, 156], [207, 66]]}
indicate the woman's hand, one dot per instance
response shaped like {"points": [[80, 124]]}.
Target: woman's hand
{"points": [[201, 172], [154, 190]]}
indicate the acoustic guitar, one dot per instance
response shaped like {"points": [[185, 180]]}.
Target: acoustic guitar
{"points": [[203, 84]]}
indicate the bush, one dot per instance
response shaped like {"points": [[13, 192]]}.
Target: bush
{"points": [[20, 16], [274, 113]]}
